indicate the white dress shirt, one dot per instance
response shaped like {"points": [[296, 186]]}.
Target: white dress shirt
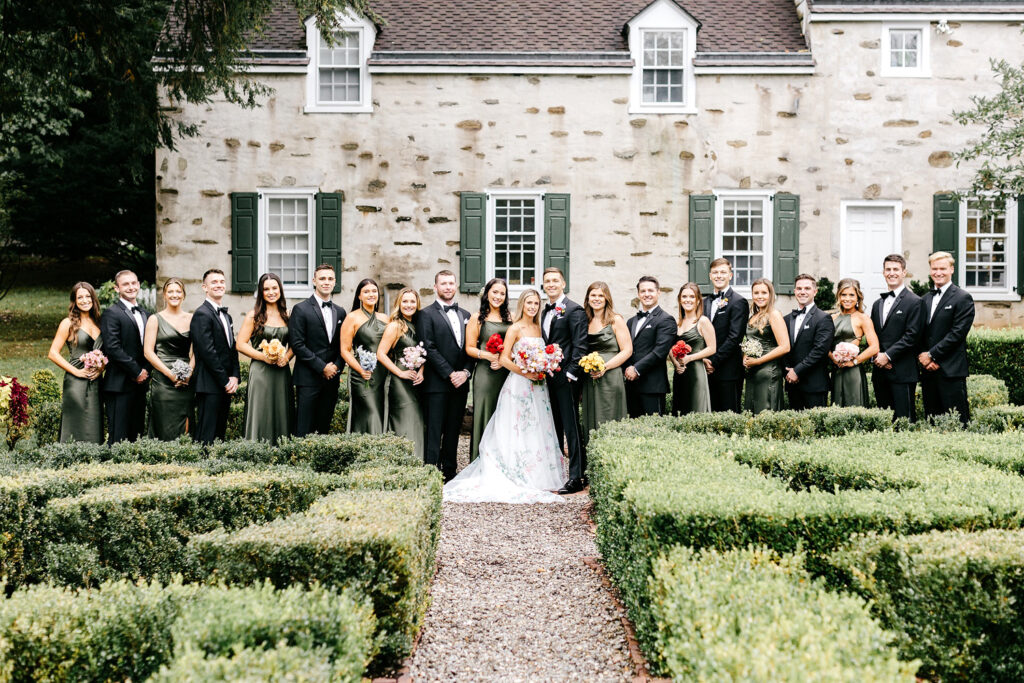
{"points": [[641, 322], [717, 300], [223, 321], [138, 317], [549, 317], [328, 314], [937, 299], [889, 301], [453, 320], [799, 322]]}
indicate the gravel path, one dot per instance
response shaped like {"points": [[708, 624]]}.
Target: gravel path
{"points": [[513, 600]]}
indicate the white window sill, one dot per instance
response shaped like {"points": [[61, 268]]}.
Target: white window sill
{"points": [[905, 73], [295, 294], [983, 295], [674, 109], [338, 109]]}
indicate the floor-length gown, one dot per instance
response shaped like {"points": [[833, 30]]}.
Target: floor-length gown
{"points": [[764, 382], [270, 407], [690, 393], [81, 417], [170, 407], [405, 416], [520, 461], [487, 385], [849, 385], [604, 399], [367, 397]]}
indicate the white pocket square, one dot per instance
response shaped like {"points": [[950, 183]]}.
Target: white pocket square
{"points": [[899, 312], [807, 327], [948, 307]]}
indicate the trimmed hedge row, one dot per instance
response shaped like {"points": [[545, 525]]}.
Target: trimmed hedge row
{"points": [[997, 353], [752, 615], [956, 599], [782, 424], [123, 631]]}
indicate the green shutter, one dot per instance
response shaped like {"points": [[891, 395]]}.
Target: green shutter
{"points": [[946, 225], [556, 233], [702, 239], [787, 242], [244, 241], [328, 232], [472, 241], [1020, 245]]}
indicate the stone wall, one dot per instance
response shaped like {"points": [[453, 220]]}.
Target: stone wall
{"points": [[843, 133]]}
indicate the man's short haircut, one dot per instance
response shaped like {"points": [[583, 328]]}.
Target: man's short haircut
{"points": [[553, 269], [895, 258], [323, 266], [211, 271], [121, 273], [805, 276], [648, 278], [720, 261], [942, 255], [441, 273]]}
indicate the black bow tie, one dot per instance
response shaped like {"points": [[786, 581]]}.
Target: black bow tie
{"points": [[134, 309], [717, 295], [453, 307], [936, 292], [549, 307], [799, 311], [642, 314], [886, 295], [325, 304], [223, 309]]}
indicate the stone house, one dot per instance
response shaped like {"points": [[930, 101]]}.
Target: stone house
{"points": [[614, 138]]}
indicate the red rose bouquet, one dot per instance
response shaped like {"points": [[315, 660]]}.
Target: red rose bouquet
{"points": [[681, 350], [495, 344]]}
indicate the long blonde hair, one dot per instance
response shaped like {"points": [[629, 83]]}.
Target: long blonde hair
{"points": [[396, 310], [850, 282], [521, 306], [761, 315], [608, 314]]}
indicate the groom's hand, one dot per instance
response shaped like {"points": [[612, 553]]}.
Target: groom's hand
{"points": [[459, 378], [330, 370], [232, 385], [631, 373]]}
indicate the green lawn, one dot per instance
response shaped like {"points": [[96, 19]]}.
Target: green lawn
{"points": [[28, 320]]}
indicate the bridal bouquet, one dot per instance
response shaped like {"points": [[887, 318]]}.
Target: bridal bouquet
{"points": [[533, 356], [592, 363], [93, 360], [845, 352], [181, 370], [751, 348], [414, 357], [367, 359], [495, 344], [681, 350], [273, 348]]}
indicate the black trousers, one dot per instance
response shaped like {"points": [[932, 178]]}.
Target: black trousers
{"points": [[802, 400], [942, 394], [443, 413], [211, 417], [126, 413], [565, 412], [725, 394], [638, 404], [897, 396], [315, 408]]}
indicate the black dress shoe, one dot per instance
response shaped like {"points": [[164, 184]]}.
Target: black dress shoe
{"points": [[571, 486]]}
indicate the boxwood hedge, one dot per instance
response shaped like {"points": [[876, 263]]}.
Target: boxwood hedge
{"points": [[996, 352]]}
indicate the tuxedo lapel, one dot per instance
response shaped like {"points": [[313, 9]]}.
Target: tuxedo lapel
{"points": [[315, 301], [892, 311], [447, 321]]}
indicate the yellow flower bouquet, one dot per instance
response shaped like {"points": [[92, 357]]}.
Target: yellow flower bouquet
{"points": [[273, 348], [592, 363]]}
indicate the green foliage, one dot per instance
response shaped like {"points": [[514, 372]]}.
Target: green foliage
{"points": [[997, 419], [282, 664], [785, 626], [920, 287], [997, 353], [44, 389], [954, 597], [46, 422], [783, 424], [825, 298], [986, 391]]}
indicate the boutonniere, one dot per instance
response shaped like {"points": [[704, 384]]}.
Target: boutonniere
{"points": [[560, 309], [722, 302]]}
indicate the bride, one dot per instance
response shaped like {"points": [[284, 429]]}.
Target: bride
{"points": [[520, 461]]}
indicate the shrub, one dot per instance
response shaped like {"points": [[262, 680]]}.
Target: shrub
{"points": [[282, 664], [246, 451], [46, 422], [44, 389], [996, 352], [338, 452], [236, 419], [955, 598], [986, 391], [784, 626], [339, 421], [154, 451], [997, 419]]}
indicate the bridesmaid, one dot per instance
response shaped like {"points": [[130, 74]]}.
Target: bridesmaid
{"points": [[364, 327], [488, 375], [81, 404], [764, 374], [849, 380], [269, 406], [604, 393], [690, 393], [168, 340], [405, 417]]}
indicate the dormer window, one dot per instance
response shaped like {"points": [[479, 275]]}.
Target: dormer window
{"points": [[905, 50], [663, 69], [338, 80], [662, 43]]}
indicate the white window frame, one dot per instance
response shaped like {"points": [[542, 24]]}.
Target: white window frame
{"points": [[662, 16], [1007, 293], [924, 66], [492, 223], [300, 290], [767, 198], [367, 34]]}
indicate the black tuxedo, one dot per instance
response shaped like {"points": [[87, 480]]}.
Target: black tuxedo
{"points": [[568, 330], [645, 395], [898, 338], [444, 406], [316, 396], [125, 398], [945, 339], [808, 356], [216, 363], [730, 323]]}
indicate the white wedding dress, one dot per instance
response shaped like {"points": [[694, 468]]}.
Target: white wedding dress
{"points": [[519, 461]]}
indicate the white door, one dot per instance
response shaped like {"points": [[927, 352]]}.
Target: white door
{"points": [[869, 233]]}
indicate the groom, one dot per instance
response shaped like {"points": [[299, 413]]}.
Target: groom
{"points": [[564, 322], [125, 383], [217, 370]]}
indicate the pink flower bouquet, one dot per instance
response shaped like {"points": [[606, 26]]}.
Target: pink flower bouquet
{"points": [[94, 360], [845, 352], [413, 357], [533, 356]]}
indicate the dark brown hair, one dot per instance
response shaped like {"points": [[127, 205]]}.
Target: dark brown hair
{"points": [[485, 304], [608, 315], [75, 314], [259, 317], [648, 278], [720, 261], [846, 283], [211, 271], [805, 276], [356, 304], [895, 258]]}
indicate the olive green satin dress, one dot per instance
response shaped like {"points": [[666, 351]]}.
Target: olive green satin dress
{"points": [[690, 393], [81, 416], [849, 385], [487, 384], [269, 405], [604, 399], [366, 398], [764, 388], [170, 408], [405, 417]]}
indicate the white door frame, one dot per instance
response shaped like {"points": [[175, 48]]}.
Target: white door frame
{"points": [[897, 222]]}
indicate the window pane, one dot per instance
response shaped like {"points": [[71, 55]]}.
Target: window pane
{"points": [[515, 240], [743, 238]]}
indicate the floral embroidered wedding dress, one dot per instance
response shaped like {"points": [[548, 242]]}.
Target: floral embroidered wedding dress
{"points": [[520, 461]]}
